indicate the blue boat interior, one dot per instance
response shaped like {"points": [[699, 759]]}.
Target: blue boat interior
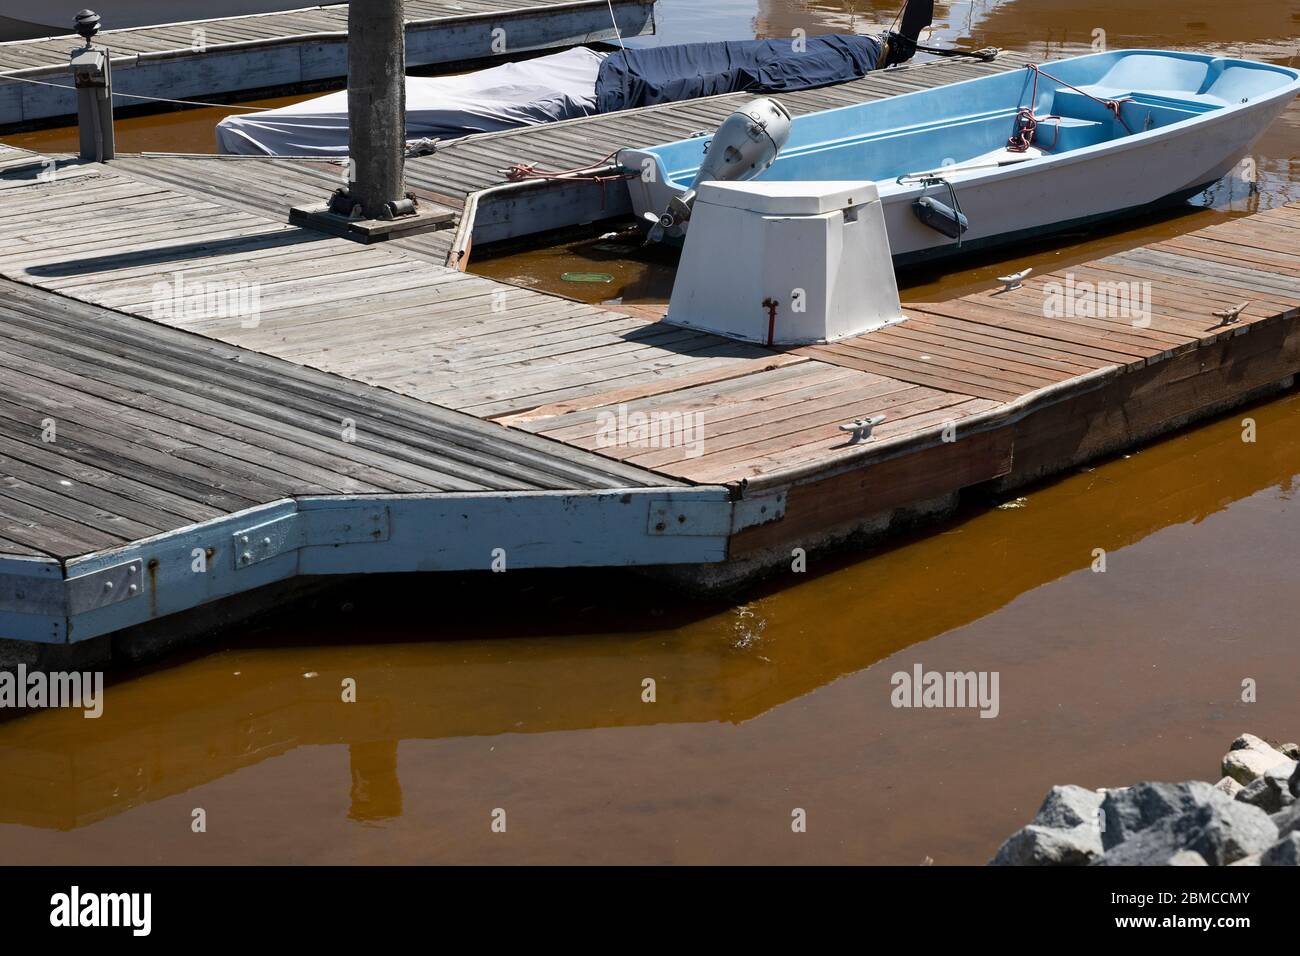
{"points": [[887, 138]]}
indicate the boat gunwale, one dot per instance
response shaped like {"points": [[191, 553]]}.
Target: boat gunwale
{"points": [[891, 190]]}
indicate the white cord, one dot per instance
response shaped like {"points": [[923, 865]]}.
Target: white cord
{"points": [[138, 96], [614, 23]]}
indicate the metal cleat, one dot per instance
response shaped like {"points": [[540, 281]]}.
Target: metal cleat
{"points": [[1230, 315], [1012, 282], [862, 428]]}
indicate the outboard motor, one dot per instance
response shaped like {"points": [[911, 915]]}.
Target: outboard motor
{"points": [[744, 146], [899, 46]]}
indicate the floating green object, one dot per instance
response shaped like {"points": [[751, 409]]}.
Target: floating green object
{"points": [[587, 277]]}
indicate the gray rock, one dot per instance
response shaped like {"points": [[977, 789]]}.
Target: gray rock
{"points": [[1066, 831], [1046, 846], [1288, 820], [1155, 845], [1222, 831], [1250, 758], [1285, 852], [1067, 807], [1258, 795], [1291, 750], [1130, 811], [1272, 791], [1187, 858], [1295, 782], [1226, 831], [1229, 786], [1252, 860]]}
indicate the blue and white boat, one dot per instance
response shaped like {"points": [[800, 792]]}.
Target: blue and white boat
{"points": [[1007, 157]]}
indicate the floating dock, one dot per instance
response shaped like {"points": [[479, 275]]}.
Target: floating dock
{"points": [[382, 410], [300, 49]]}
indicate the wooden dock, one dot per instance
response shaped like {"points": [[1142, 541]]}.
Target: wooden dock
{"points": [[300, 49], [989, 390]]}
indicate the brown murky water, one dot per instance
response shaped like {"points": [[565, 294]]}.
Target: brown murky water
{"points": [[180, 131], [522, 692]]}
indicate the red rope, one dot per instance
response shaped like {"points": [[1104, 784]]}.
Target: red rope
{"points": [[521, 171], [1026, 130], [518, 172], [1027, 121]]}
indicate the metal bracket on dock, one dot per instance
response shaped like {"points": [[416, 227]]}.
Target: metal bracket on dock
{"points": [[112, 585], [429, 217], [327, 526], [684, 517], [760, 509], [668, 517]]}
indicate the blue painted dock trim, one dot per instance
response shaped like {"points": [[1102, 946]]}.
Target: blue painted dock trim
{"points": [[33, 600], [296, 60], [45, 602]]}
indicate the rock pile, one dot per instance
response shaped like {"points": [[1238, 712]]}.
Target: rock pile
{"points": [[1250, 817]]}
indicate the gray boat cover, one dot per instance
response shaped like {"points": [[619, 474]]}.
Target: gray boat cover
{"points": [[556, 87]]}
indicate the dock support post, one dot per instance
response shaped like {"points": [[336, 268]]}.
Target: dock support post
{"points": [[377, 107], [92, 75], [375, 205]]}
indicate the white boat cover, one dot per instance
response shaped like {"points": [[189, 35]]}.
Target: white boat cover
{"points": [[542, 90]]}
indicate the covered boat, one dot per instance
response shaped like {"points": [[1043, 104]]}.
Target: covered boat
{"points": [[1005, 157], [575, 83], [549, 88]]}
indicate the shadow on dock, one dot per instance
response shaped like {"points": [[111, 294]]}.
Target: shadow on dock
{"points": [[290, 236]]}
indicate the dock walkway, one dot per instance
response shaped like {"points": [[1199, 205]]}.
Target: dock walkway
{"points": [[282, 51], [984, 390]]}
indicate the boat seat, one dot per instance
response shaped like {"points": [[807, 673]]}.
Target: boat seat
{"points": [[1141, 111], [1216, 83], [1186, 96], [1057, 134]]}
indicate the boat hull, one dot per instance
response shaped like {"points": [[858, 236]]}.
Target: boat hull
{"points": [[1171, 142], [1020, 203]]}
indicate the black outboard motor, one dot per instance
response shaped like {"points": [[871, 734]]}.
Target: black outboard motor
{"points": [[901, 46]]}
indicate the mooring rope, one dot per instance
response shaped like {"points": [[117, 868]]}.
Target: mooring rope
{"points": [[522, 172], [517, 172], [1027, 120], [140, 96], [613, 21]]}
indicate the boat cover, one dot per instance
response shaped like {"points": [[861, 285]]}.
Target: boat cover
{"points": [[669, 74], [556, 87]]}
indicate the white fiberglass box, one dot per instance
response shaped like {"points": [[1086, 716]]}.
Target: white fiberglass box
{"points": [[786, 263]]}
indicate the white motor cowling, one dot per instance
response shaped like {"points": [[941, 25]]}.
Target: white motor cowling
{"points": [[743, 147]]}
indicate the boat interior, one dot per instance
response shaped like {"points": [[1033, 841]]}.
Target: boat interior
{"points": [[969, 123]]}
